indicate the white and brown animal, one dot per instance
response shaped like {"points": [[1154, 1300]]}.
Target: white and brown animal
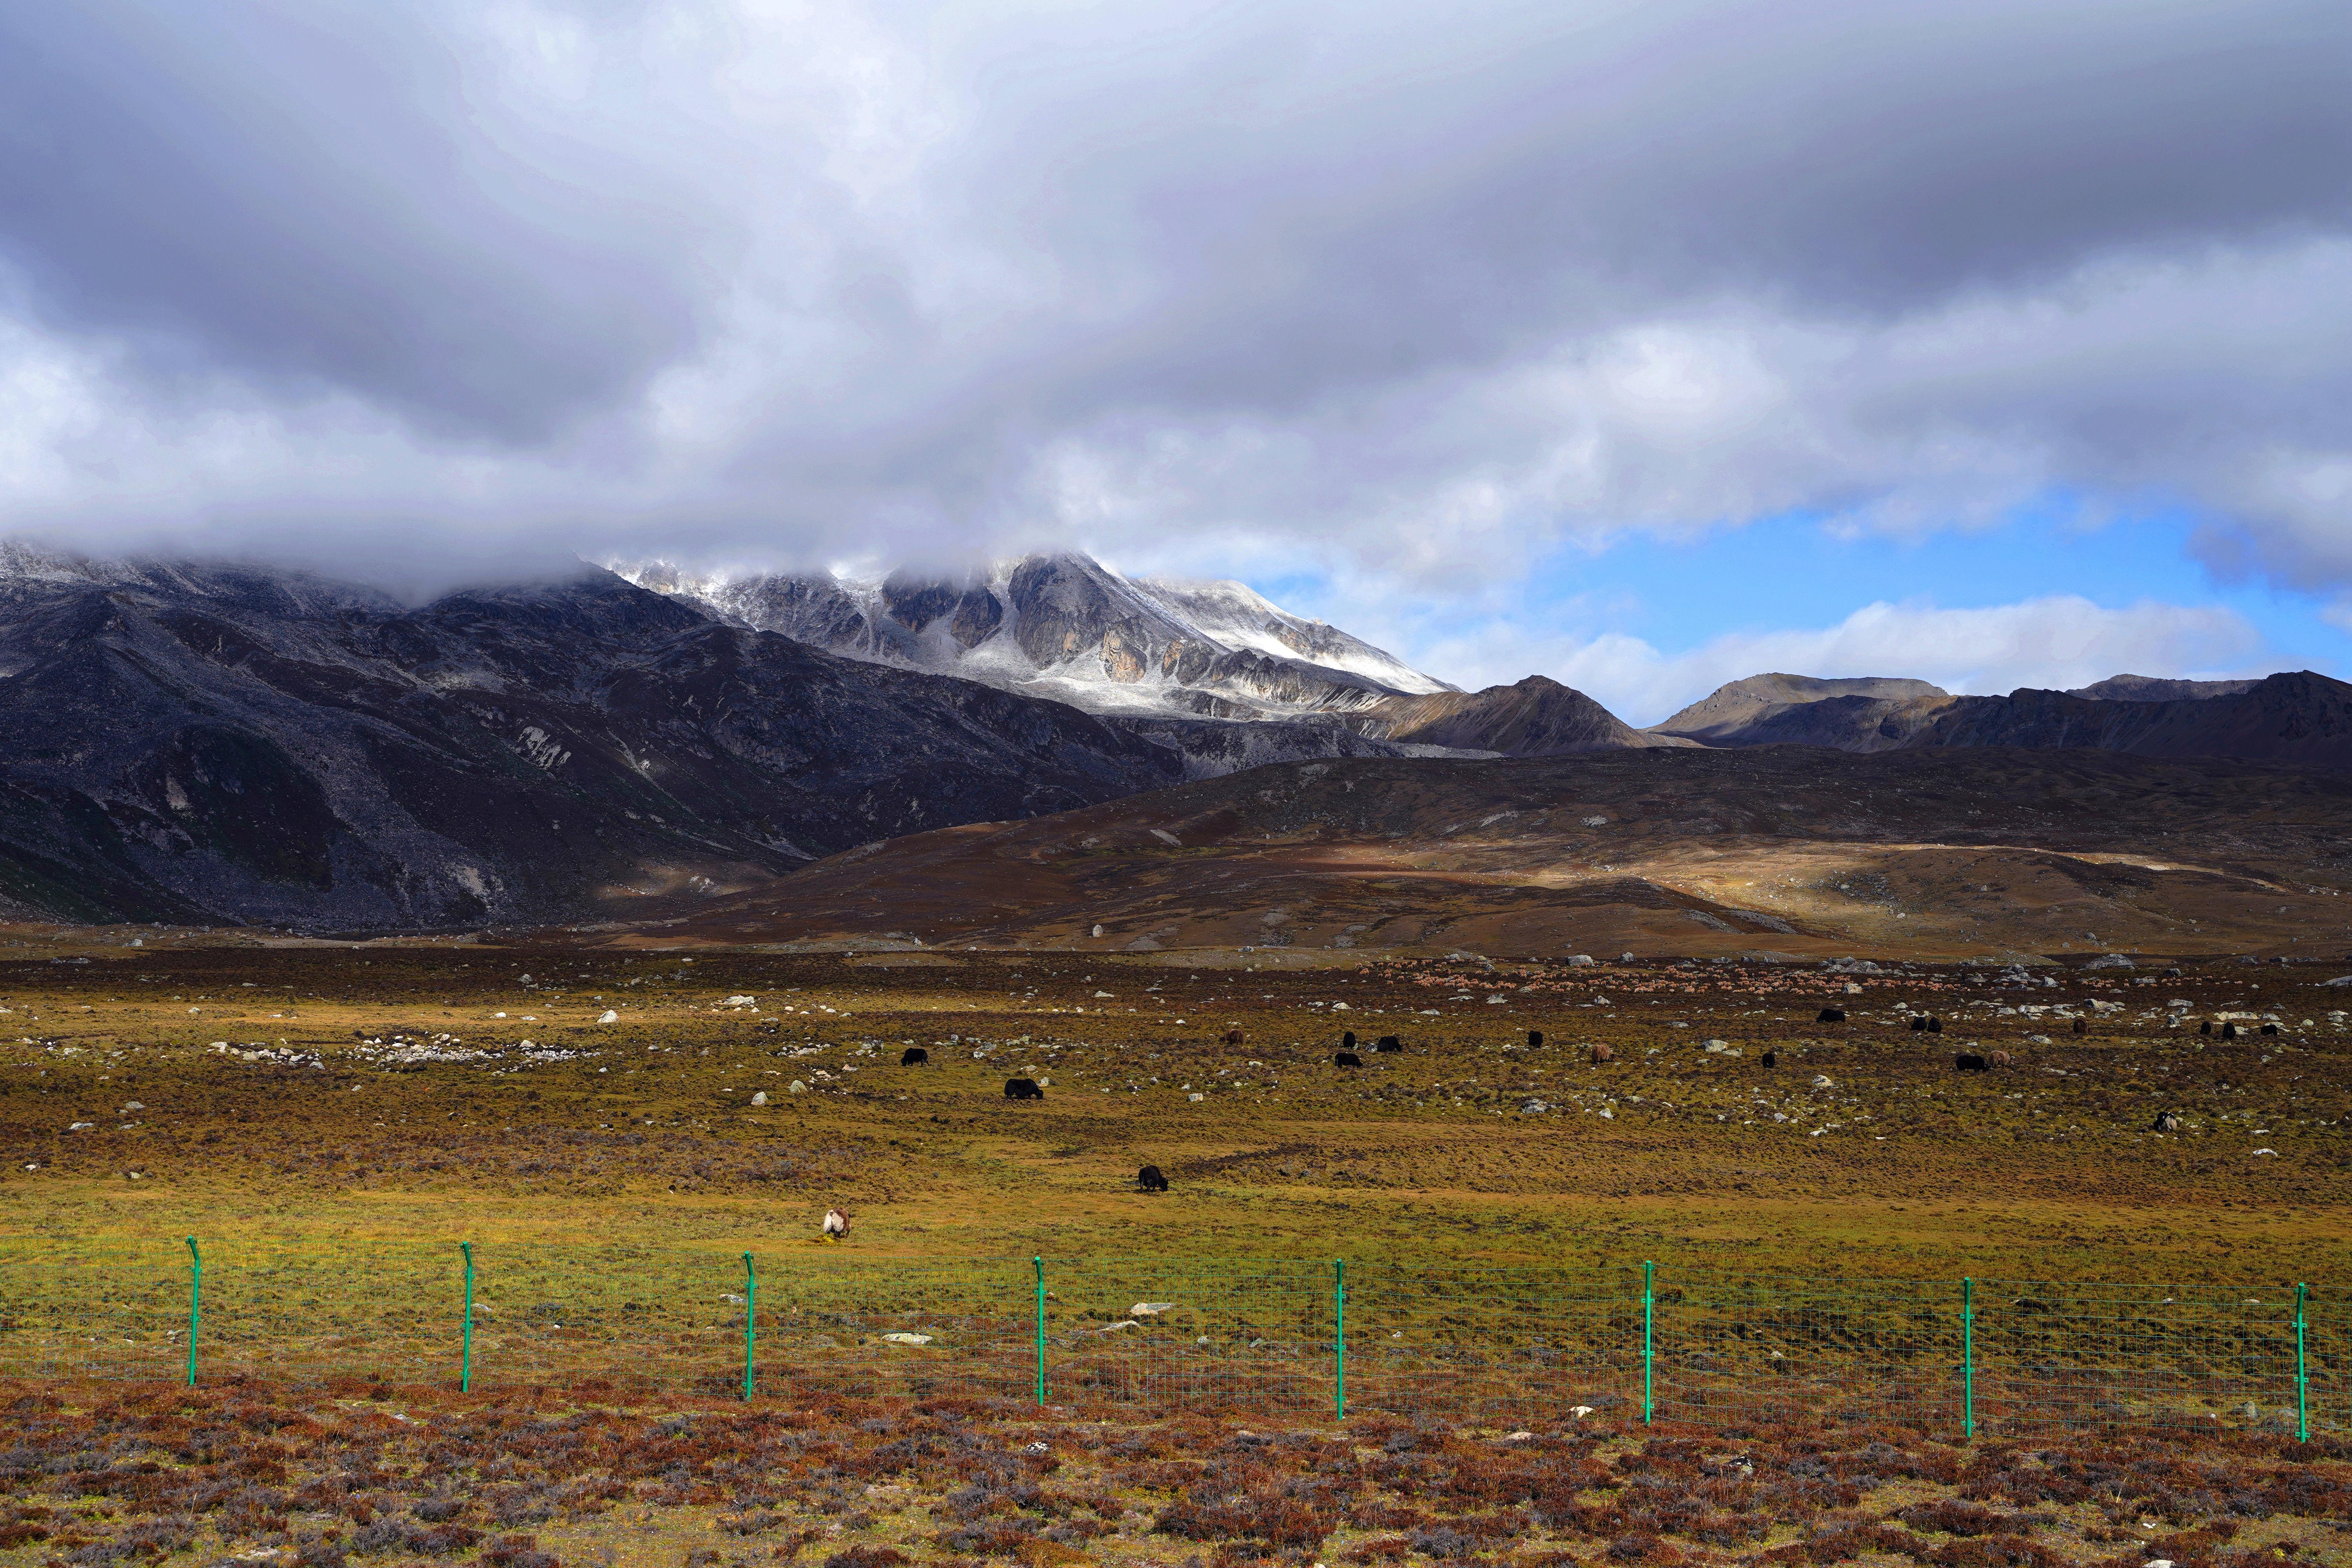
{"points": [[836, 1225]]}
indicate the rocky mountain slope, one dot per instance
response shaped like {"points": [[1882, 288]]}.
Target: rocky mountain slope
{"points": [[1723, 714], [1066, 628], [1536, 718], [2156, 688], [196, 744], [2300, 717]]}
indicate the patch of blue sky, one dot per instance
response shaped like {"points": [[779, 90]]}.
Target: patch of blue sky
{"points": [[1795, 571]]}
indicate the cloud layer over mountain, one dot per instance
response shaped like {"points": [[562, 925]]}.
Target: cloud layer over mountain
{"points": [[1411, 294]]}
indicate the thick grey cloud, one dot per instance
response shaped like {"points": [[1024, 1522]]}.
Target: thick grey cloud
{"points": [[321, 195], [1420, 289]]}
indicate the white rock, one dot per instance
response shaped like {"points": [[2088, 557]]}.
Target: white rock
{"points": [[1716, 1045], [904, 1339], [1820, 1081], [1097, 930], [761, 1097], [1578, 960], [135, 1105], [1122, 1323], [742, 1002], [2265, 1150], [1517, 1436], [1579, 1411], [609, 1017], [1151, 1309], [796, 1087], [1196, 1095]]}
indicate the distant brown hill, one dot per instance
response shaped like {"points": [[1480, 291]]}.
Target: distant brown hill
{"points": [[1954, 851], [1536, 718], [2301, 717], [1729, 709], [2156, 689]]}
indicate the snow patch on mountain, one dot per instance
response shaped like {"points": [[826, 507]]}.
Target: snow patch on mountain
{"points": [[1066, 628]]}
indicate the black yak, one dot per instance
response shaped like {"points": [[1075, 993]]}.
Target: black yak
{"points": [[1151, 1180], [1346, 1059], [1023, 1089], [912, 1055]]}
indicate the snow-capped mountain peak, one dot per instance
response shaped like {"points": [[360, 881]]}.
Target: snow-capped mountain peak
{"points": [[1066, 627]]}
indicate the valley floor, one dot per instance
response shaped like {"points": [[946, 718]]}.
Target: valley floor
{"points": [[361, 1108]]}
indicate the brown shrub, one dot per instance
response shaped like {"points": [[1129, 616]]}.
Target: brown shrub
{"points": [[1992, 1552], [1951, 1516], [518, 1551], [867, 1557], [1273, 1518]]}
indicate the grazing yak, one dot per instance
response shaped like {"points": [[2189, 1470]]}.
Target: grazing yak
{"points": [[1928, 1024], [1831, 1015], [1233, 1037], [1997, 1059], [912, 1055], [1534, 1037], [1346, 1059], [2270, 1029], [1151, 1180], [1023, 1089], [1602, 1054], [1967, 1061], [1771, 1059], [836, 1223], [2165, 1122], [1347, 1040], [2081, 1025], [2229, 1031], [1388, 1043], [2205, 1026]]}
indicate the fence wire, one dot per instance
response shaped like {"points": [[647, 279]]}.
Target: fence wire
{"points": [[1275, 1338]]}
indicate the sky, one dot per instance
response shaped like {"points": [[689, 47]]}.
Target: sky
{"points": [[1639, 346]]}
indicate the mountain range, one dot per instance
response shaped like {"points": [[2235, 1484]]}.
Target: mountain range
{"points": [[201, 742]]}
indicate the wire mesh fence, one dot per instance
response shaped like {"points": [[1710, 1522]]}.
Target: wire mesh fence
{"points": [[1274, 1339]]}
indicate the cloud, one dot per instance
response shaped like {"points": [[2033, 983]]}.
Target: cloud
{"points": [[1414, 294], [2057, 643]]}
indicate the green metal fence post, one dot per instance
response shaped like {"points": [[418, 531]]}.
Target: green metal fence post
{"points": [[1039, 1262], [1969, 1358], [465, 1352], [1649, 1319], [2302, 1378], [751, 1321], [196, 1304], [1339, 1339]]}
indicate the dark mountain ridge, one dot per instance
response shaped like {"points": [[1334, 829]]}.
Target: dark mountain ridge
{"points": [[2299, 716], [210, 745]]}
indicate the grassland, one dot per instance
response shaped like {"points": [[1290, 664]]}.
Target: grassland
{"points": [[384, 1096]]}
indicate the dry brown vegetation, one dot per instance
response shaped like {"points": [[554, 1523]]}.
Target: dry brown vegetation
{"points": [[639, 1136], [403, 1475]]}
